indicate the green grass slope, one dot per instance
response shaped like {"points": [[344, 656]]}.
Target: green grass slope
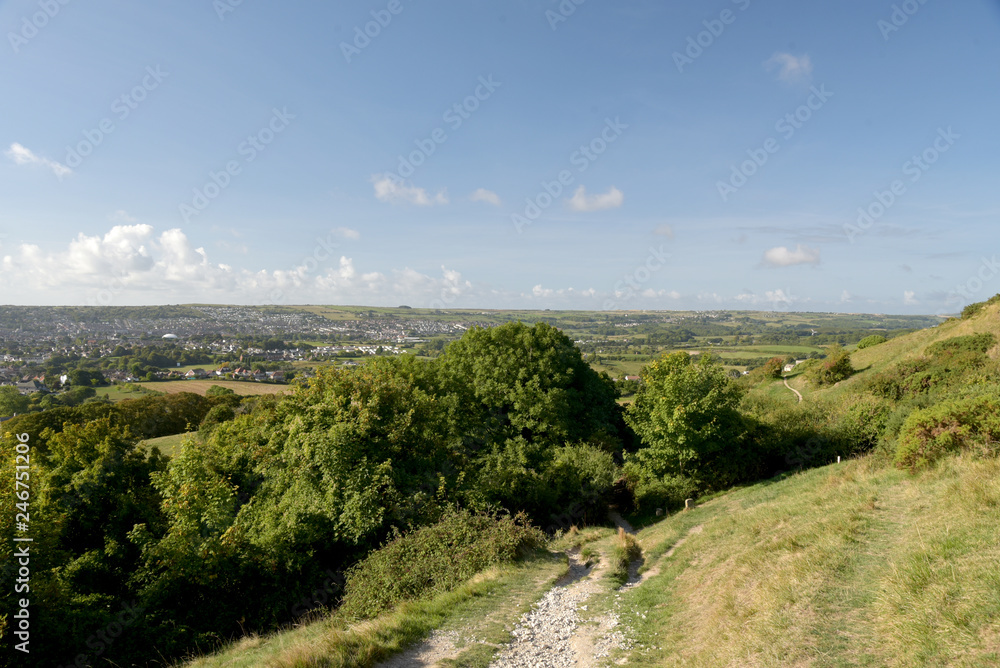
{"points": [[855, 564], [880, 357]]}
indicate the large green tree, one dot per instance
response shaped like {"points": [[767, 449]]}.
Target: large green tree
{"points": [[687, 417], [12, 402]]}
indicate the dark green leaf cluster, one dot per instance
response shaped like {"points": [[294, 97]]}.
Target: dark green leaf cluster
{"points": [[435, 559]]}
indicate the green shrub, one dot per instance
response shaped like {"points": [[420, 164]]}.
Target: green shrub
{"points": [[869, 341], [666, 492], [625, 550], [216, 416], [774, 367], [435, 559], [859, 427], [948, 427], [835, 368], [974, 343]]}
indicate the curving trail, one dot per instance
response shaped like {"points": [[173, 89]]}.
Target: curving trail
{"points": [[797, 393]]}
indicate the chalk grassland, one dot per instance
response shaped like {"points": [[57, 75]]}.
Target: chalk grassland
{"points": [[854, 564], [243, 389]]}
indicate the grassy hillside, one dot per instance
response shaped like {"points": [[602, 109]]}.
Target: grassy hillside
{"points": [[854, 564], [850, 565], [880, 357]]}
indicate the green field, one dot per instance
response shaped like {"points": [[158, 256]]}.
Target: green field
{"points": [[168, 445], [118, 393], [244, 389]]}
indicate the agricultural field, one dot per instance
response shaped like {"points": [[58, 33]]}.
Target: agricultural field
{"points": [[243, 389]]}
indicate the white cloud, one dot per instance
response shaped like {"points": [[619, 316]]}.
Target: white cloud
{"points": [[781, 256], [539, 291], [581, 201], [774, 298], [348, 233], [845, 297], [791, 69], [121, 216], [394, 191], [23, 156], [910, 298], [484, 195], [778, 298], [650, 293], [133, 264]]}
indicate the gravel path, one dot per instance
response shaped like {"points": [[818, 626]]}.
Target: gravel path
{"points": [[544, 637]]}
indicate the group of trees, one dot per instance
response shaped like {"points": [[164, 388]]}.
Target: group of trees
{"points": [[228, 535]]}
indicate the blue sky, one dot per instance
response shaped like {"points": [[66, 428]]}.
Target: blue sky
{"points": [[712, 155]]}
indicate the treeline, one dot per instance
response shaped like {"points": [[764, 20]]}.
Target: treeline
{"points": [[235, 531]]}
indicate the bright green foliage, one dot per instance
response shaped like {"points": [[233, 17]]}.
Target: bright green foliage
{"points": [[218, 391], [869, 341], [519, 395], [951, 426], [12, 402], [687, 417], [531, 382], [90, 486], [362, 449], [435, 559], [835, 368]]}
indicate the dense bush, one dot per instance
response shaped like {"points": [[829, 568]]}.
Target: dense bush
{"points": [[870, 341], [667, 491], [774, 367], [972, 344], [835, 368], [435, 559], [951, 426]]}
